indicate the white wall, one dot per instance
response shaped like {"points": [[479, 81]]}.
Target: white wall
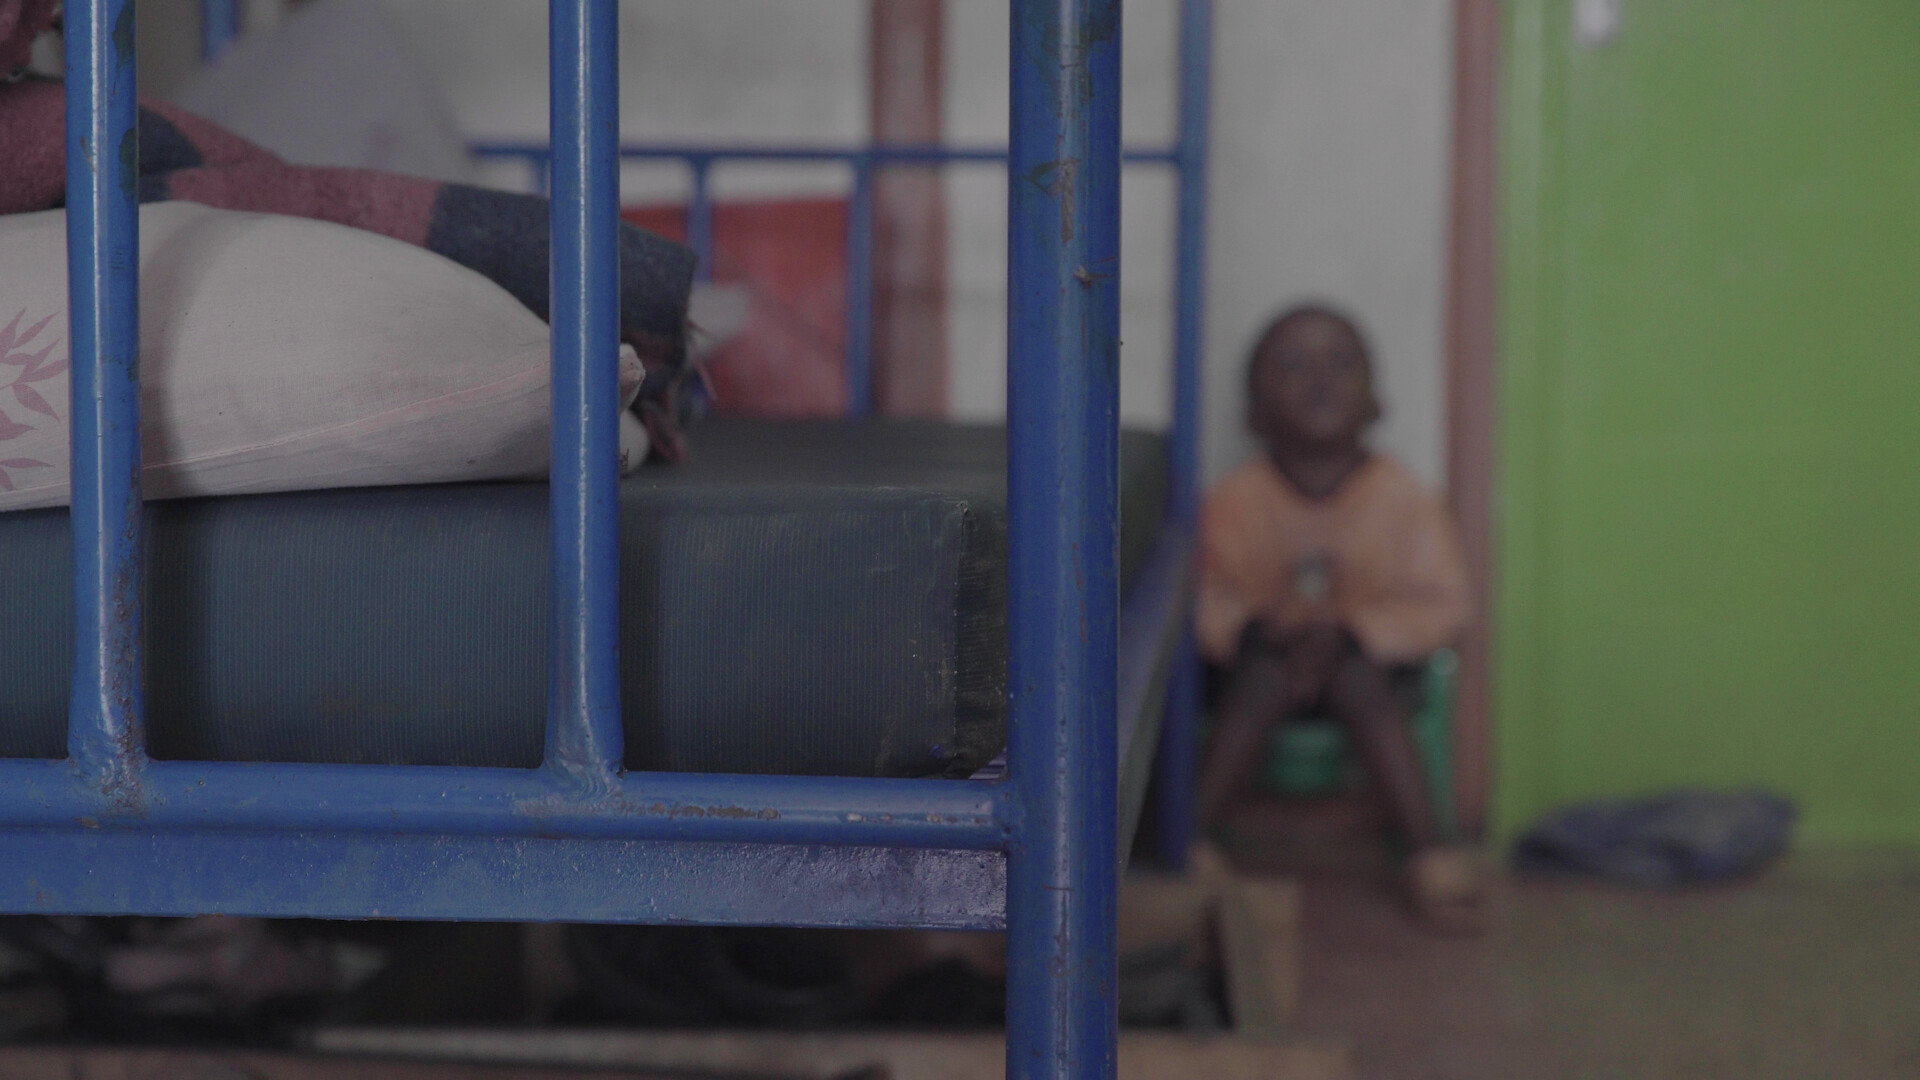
{"points": [[726, 71], [1329, 164], [1331, 128], [168, 36], [168, 32], [1328, 180]]}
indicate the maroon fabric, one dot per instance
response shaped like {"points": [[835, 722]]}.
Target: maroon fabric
{"points": [[33, 171], [396, 206], [234, 174]]}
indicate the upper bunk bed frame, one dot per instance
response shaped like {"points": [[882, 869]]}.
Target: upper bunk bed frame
{"points": [[109, 831]]}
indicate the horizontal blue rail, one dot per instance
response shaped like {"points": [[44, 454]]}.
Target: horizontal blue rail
{"points": [[315, 874], [878, 154], [958, 814], [348, 841], [700, 158]]}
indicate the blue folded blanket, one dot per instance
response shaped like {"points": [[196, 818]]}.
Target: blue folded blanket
{"points": [[1678, 838]]}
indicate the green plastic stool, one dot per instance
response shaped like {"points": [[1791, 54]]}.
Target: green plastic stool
{"points": [[1309, 757]]}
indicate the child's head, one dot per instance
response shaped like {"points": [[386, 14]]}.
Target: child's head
{"points": [[1310, 381]]}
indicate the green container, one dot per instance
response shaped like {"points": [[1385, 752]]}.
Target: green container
{"points": [[1309, 757]]}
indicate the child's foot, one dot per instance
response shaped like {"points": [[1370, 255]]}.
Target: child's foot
{"points": [[1448, 890]]}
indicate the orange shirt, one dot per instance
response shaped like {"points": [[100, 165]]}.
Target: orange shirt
{"points": [[1379, 556]]}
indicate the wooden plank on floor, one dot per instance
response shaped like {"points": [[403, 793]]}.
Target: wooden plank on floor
{"points": [[1252, 1003], [63, 1063], [1260, 932], [902, 1056]]}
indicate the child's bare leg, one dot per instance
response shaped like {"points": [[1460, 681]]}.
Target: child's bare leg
{"points": [[1363, 696], [1444, 883], [1259, 692]]}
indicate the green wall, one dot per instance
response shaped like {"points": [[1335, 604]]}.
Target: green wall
{"points": [[1710, 500]]}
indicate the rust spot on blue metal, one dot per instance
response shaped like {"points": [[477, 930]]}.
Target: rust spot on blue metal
{"points": [[1056, 178], [735, 813], [544, 807]]}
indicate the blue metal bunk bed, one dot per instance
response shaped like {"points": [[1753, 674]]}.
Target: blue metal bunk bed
{"points": [[1034, 848]]}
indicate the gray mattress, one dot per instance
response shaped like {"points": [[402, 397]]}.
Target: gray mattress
{"points": [[817, 598]]}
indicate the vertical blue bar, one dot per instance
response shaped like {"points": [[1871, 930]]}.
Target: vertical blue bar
{"points": [[104, 732], [700, 216], [1063, 425], [860, 291], [1179, 733], [219, 26], [1190, 269], [583, 718]]}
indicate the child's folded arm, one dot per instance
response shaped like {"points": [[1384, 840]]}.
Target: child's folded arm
{"points": [[1406, 630], [1427, 605], [1221, 616]]}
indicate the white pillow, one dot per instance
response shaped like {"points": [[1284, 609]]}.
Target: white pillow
{"points": [[282, 354]]}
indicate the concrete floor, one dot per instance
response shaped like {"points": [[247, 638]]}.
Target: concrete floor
{"points": [[1810, 972]]}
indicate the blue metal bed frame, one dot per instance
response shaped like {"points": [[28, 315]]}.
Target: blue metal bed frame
{"points": [[107, 831]]}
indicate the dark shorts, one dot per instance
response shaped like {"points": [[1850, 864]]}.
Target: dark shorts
{"points": [[1409, 682]]}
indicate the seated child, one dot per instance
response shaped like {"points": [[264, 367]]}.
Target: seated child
{"points": [[1327, 576]]}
